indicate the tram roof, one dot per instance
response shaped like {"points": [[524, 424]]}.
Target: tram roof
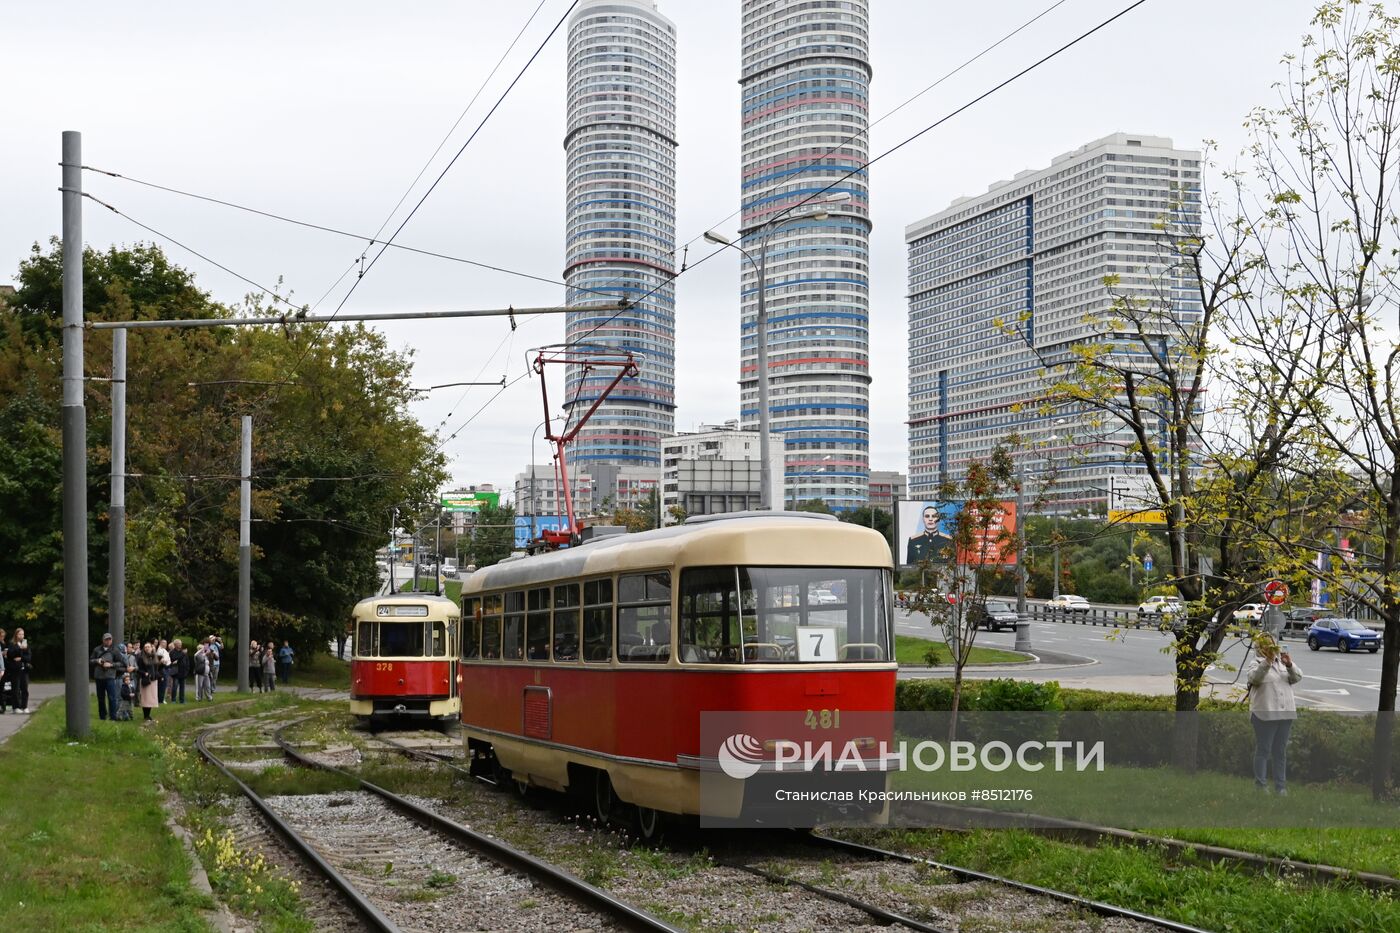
{"points": [[746, 538], [401, 599]]}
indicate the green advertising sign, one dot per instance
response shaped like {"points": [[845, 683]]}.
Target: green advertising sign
{"points": [[470, 501]]}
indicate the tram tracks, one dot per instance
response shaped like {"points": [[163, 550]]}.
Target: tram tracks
{"points": [[394, 860], [774, 887], [864, 885]]}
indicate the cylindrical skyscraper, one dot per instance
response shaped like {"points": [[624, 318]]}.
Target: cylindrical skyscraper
{"points": [[805, 80], [621, 222]]}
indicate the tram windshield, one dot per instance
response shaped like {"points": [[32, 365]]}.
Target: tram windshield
{"points": [[401, 640], [784, 615]]}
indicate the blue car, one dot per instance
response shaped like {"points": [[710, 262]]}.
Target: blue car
{"points": [[1346, 634]]}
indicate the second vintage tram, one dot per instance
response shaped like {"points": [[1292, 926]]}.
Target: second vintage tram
{"points": [[589, 669], [404, 662]]}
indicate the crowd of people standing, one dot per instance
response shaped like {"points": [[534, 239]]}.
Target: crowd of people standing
{"points": [[157, 671]]}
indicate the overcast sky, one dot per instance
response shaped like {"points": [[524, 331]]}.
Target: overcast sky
{"points": [[326, 112]]}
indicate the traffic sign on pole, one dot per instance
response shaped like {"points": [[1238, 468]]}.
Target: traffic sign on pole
{"points": [[1275, 592]]}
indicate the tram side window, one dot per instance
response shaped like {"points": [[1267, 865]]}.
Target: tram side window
{"points": [[597, 620], [491, 626], [537, 625], [364, 640], [566, 617], [514, 642], [644, 618], [711, 630], [471, 628], [438, 635]]}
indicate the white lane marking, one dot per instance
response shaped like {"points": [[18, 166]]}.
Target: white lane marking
{"points": [[1336, 680], [1340, 691]]}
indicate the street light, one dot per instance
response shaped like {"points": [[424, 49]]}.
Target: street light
{"points": [[763, 232]]}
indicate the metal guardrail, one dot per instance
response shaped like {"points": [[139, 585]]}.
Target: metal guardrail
{"points": [[1129, 618]]}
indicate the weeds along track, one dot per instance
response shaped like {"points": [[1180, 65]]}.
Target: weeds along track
{"points": [[389, 844], [781, 880]]}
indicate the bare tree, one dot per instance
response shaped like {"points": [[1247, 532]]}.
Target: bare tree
{"points": [[1325, 224]]}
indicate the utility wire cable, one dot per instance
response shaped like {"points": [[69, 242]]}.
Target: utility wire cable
{"points": [[368, 240], [460, 117], [441, 175], [190, 249], [939, 122]]}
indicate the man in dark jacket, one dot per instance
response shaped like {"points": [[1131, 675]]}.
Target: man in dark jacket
{"points": [[108, 665], [179, 670]]}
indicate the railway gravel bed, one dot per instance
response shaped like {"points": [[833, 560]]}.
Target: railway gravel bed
{"points": [[419, 880], [701, 884], [322, 903]]}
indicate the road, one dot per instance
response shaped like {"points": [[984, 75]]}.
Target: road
{"points": [[1133, 660]]}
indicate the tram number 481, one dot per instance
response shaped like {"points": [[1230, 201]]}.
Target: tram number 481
{"points": [[384, 665], [822, 719]]}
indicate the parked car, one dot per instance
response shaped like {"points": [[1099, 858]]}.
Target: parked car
{"points": [[994, 614], [1249, 612], [1160, 606], [1068, 602], [1305, 614], [1343, 634]]}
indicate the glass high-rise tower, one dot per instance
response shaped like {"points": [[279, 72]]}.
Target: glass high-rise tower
{"points": [[620, 146], [805, 80]]}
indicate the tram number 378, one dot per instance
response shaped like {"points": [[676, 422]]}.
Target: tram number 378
{"points": [[822, 719]]}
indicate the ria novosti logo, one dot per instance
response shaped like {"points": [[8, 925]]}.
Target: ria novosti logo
{"points": [[740, 756]]}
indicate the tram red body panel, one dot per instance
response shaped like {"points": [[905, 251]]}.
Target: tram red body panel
{"points": [[654, 715], [400, 679]]}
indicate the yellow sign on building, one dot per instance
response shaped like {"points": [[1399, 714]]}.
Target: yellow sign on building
{"points": [[1137, 517]]}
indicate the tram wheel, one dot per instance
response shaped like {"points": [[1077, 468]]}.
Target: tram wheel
{"points": [[604, 800], [650, 825]]}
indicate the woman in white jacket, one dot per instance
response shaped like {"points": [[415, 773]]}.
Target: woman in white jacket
{"points": [[1272, 711]]}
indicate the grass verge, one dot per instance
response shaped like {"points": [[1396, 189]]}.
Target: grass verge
{"points": [[1209, 896], [87, 846], [915, 651]]}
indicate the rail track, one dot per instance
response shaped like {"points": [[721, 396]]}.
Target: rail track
{"points": [[506, 857], [878, 913], [845, 900]]}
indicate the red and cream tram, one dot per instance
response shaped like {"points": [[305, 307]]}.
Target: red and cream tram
{"points": [[405, 657], [587, 669]]}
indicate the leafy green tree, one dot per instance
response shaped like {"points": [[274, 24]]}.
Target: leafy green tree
{"points": [[1324, 224], [879, 519], [334, 450], [493, 535]]}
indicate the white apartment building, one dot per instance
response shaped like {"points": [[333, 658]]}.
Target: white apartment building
{"points": [[717, 469], [1032, 253]]}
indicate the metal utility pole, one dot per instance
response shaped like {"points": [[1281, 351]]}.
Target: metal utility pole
{"points": [[417, 558], [393, 550], [75, 557], [437, 558], [116, 568], [245, 550], [1023, 625]]}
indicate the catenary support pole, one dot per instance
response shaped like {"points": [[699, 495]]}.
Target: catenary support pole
{"points": [[116, 526], [1023, 624], [245, 550], [75, 517]]}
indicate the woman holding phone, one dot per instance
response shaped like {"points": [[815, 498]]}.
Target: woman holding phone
{"points": [[1272, 711]]}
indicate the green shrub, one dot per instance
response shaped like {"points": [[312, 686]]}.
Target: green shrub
{"points": [[1008, 695]]}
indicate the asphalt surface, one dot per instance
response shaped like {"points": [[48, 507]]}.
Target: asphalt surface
{"points": [[1096, 657]]}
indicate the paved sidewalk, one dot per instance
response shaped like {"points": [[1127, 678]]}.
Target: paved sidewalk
{"points": [[10, 723]]}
